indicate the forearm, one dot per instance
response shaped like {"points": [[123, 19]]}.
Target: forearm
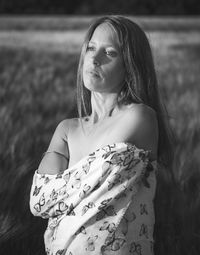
{"points": [[55, 159], [53, 163]]}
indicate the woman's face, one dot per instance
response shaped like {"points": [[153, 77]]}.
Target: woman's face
{"points": [[103, 68]]}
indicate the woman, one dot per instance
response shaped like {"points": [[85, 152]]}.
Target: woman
{"points": [[96, 182]]}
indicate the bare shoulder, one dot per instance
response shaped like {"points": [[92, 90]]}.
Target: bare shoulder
{"points": [[65, 125], [62, 129], [142, 127], [142, 114]]}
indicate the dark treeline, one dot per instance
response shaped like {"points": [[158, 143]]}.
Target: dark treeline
{"points": [[140, 7]]}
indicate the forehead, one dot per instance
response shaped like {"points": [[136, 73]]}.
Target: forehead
{"points": [[105, 34]]}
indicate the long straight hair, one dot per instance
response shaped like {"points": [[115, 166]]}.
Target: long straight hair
{"points": [[140, 84]]}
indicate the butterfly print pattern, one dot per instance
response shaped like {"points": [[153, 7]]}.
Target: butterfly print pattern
{"points": [[38, 206], [60, 252], [105, 211], [71, 210], [54, 195], [63, 192], [46, 180], [85, 190], [87, 207], [149, 169], [66, 177], [135, 248], [86, 167], [127, 219], [61, 207], [110, 227], [108, 151], [113, 243], [77, 183], [143, 209], [117, 179], [36, 190], [81, 230], [144, 230], [94, 207], [91, 243]]}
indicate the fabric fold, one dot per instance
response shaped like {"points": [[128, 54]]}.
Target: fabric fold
{"points": [[90, 204]]}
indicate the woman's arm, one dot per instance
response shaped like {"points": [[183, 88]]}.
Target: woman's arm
{"points": [[142, 128], [56, 159]]}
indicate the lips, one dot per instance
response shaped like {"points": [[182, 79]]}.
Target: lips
{"points": [[93, 73]]}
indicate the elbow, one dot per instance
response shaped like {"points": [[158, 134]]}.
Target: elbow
{"points": [[34, 208], [37, 209], [35, 212]]}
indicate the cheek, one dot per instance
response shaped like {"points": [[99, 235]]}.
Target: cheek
{"points": [[117, 73], [84, 68], [84, 65], [85, 61]]}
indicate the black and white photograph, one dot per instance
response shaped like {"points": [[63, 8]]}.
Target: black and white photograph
{"points": [[100, 127]]}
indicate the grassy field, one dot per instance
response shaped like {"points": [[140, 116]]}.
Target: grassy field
{"points": [[38, 62], [63, 23]]}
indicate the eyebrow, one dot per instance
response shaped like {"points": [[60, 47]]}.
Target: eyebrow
{"points": [[105, 44]]}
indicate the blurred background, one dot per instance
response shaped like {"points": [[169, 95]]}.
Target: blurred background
{"points": [[40, 44]]}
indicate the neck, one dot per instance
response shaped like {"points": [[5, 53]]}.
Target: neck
{"points": [[103, 106]]}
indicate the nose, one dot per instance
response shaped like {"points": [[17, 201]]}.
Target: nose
{"points": [[96, 59], [96, 62]]}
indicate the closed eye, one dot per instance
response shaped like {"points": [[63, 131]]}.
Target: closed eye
{"points": [[90, 48], [111, 53]]}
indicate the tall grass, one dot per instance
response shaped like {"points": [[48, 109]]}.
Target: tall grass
{"points": [[37, 91], [67, 22], [177, 200]]}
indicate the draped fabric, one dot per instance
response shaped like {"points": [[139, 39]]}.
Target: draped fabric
{"points": [[101, 205]]}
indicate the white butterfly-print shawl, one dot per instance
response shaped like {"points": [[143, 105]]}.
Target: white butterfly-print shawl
{"points": [[87, 202]]}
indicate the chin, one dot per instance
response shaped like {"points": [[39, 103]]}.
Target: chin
{"points": [[91, 86]]}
